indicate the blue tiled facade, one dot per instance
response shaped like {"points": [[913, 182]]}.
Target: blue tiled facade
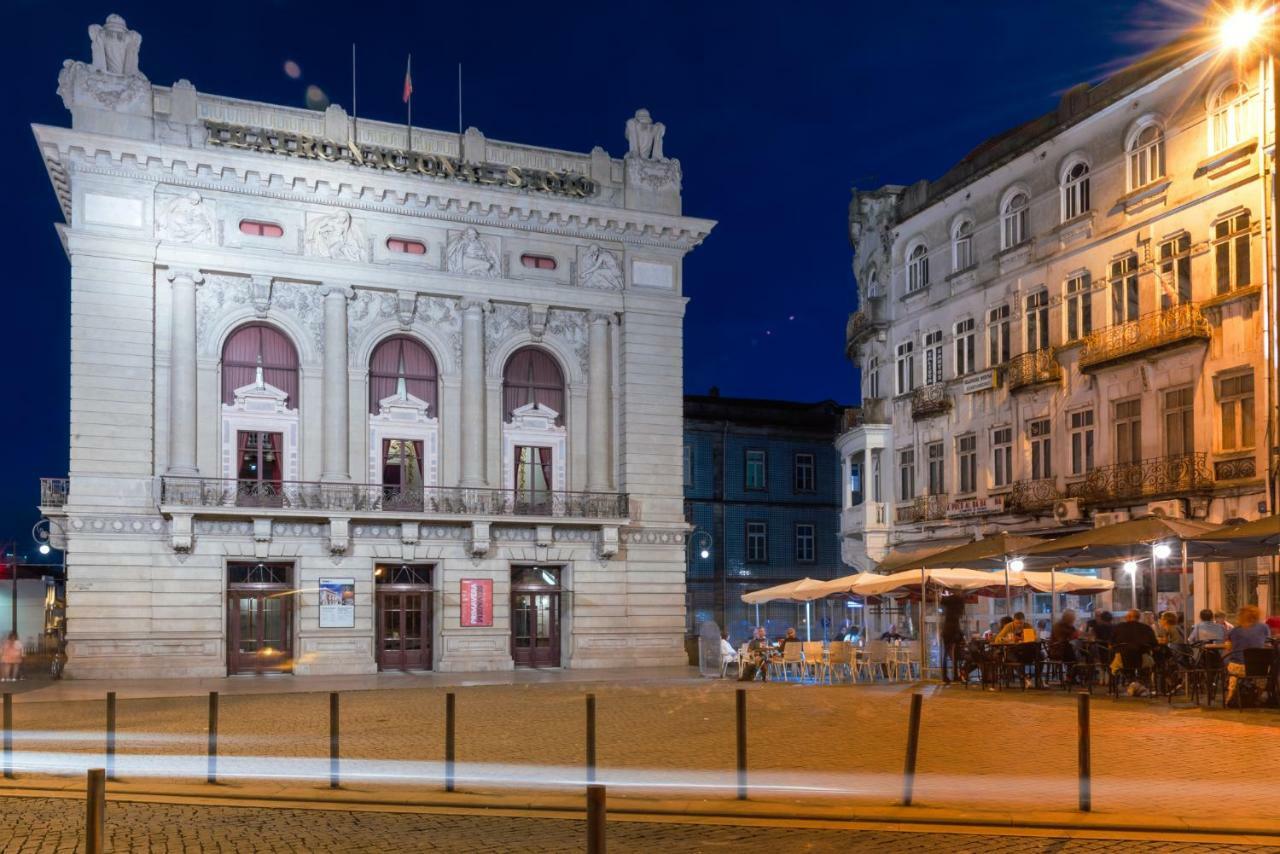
{"points": [[720, 504]]}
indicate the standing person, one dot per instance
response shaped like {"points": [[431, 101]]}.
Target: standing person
{"points": [[10, 658], [1249, 633], [952, 635]]}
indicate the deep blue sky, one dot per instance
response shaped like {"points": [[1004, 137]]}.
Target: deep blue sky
{"points": [[774, 109]]}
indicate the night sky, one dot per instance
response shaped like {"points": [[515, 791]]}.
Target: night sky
{"points": [[774, 109]]}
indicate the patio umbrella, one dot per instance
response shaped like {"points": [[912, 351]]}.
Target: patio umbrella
{"points": [[792, 591], [1258, 538], [1079, 585], [906, 556], [993, 552]]}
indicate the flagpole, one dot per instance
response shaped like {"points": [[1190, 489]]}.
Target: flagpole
{"points": [[355, 113], [460, 111], [408, 121]]}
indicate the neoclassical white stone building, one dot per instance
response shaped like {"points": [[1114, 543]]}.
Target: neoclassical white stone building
{"points": [[341, 403], [1069, 327]]}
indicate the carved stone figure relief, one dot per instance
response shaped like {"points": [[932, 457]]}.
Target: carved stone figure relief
{"points": [[468, 254], [443, 317], [335, 235], [112, 80], [185, 219], [571, 328], [600, 269], [221, 295], [503, 321]]}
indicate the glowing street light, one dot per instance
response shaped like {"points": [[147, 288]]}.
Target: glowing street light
{"points": [[1161, 551], [1238, 30], [1131, 567], [1016, 565]]}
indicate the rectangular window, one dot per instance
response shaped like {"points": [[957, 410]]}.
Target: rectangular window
{"points": [[1124, 289], [688, 466], [804, 473], [906, 367], [1175, 271], [966, 355], [756, 465], [1038, 433], [1038, 321], [1079, 307], [757, 542], [1081, 441], [937, 468], [804, 543], [1231, 253], [967, 462], [1128, 424], [1179, 422], [873, 377], [876, 492], [907, 474], [933, 357], [1002, 456], [999, 348], [1235, 406], [257, 228], [406, 247]]}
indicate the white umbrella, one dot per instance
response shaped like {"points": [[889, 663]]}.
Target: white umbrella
{"points": [[792, 591]]}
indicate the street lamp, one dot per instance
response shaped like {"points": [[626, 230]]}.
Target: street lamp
{"points": [[1238, 30], [1131, 567], [1015, 565]]}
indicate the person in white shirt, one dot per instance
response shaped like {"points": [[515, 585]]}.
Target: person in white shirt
{"points": [[727, 653]]}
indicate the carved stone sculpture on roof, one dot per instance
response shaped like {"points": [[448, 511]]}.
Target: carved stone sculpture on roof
{"points": [[335, 235], [111, 80], [185, 219], [468, 254], [644, 136], [648, 167], [115, 46], [600, 269]]}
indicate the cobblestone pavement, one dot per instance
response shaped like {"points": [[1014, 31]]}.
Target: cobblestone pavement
{"points": [[977, 750], [51, 825]]}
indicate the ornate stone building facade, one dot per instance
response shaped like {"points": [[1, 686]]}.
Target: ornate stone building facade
{"points": [[1067, 328], [340, 402]]}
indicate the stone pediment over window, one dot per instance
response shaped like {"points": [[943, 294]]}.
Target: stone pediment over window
{"points": [[260, 397], [404, 407], [533, 416]]}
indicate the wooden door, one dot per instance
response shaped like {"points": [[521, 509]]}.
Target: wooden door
{"points": [[535, 629], [404, 628], [259, 631]]}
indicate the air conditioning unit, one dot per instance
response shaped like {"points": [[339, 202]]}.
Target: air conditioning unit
{"points": [[1067, 510], [1102, 520], [1172, 509]]}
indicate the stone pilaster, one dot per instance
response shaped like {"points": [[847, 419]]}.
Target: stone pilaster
{"points": [[335, 414], [599, 438], [182, 372], [473, 390]]}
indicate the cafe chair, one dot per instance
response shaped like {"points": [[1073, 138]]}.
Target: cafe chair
{"points": [[1257, 673], [1132, 669]]}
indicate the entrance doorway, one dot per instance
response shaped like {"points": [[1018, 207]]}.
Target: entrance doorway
{"points": [[259, 618], [403, 616], [535, 616]]}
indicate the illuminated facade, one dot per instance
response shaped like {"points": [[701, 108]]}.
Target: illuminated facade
{"points": [[340, 402]]}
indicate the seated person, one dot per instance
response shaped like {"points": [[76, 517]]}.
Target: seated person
{"points": [[1104, 628], [727, 653], [1249, 633], [758, 651], [1168, 631], [1015, 630], [891, 634], [1207, 630], [1060, 639], [1135, 633], [790, 637]]}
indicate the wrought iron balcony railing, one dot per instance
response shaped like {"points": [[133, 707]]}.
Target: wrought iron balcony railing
{"points": [[925, 508], [862, 324], [1153, 331], [930, 400], [54, 491], [1033, 496], [253, 495], [1032, 369], [1150, 478]]}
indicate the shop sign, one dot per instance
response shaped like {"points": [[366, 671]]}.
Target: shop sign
{"points": [[981, 381], [477, 602], [976, 506]]}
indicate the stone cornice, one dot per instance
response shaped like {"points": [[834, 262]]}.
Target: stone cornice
{"points": [[241, 173]]}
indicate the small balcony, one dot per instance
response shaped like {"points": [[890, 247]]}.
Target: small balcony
{"points": [[1031, 370], [930, 401], [863, 324], [54, 491], [251, 497], [1146, 479], [1033, 497], [926, 508], [874, 410], [864, 516], [1158, 330]]}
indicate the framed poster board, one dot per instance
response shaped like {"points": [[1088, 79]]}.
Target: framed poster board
{"points": [[337, 603], [477, 602]]}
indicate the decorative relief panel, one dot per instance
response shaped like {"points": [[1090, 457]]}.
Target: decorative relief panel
{"points": [[599, 268], [469, 254], [221, 294], [335, 235], [503, 321], [117, 524], [568, 327], [185, 219]]}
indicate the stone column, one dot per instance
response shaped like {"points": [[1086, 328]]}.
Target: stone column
{"points": [[335, 416], [473, 389], [599, 390], [182, 372]]}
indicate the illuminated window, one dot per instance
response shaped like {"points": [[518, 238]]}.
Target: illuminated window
{"points": [[538, 262], [407, 247], [257, 228]]}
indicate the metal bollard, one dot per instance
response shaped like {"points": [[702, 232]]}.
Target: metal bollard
{"points": [[213, 737], [8, 736], [742, 743], [913, 743], [111, 736], [595, 820], [333, 739], [449, 732], [95, 817], [591, 738], [1086, 771]]}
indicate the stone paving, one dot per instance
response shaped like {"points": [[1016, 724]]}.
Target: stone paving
{"points": [[53, 825], [978, 750]]}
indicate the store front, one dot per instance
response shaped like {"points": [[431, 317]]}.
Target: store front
{"points": [[260, 602], [536, 600], [404, 616]]}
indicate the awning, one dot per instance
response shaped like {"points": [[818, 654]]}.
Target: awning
{"points": [[1114, 543], [1258, 538]]}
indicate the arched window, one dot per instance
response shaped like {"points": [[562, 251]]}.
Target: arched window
{"points": [[402, 366], [258, 352], [1146, 156], [962, 245], [1013, 220], [1075, 190], [532, 376], [873, 283], [1229, 116], [918, 268]]}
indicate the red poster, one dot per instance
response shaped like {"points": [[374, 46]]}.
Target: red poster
{"points": [[477, 602]]}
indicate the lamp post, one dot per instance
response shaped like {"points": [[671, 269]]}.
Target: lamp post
{"points": [[1131, 567]]}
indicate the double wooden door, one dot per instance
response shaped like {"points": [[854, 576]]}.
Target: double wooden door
{"points": [[535, 629], [404, 628], [260, 630]]}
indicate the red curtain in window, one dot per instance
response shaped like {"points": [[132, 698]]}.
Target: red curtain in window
{"points": [[398, 358], [254, 345], [532, 376], [544, 460]]}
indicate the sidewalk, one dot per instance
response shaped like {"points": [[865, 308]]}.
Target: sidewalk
{"points": [[42, 690]]}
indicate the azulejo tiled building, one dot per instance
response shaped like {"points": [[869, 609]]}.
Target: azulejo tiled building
{"points": [[1070, 327], [343, 400]]}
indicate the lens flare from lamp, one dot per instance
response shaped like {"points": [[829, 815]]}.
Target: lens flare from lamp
{"points": [[1130, 566], [1239, 29], [44, 548], [1016, 565], [1162, 551], [704, 554]]}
